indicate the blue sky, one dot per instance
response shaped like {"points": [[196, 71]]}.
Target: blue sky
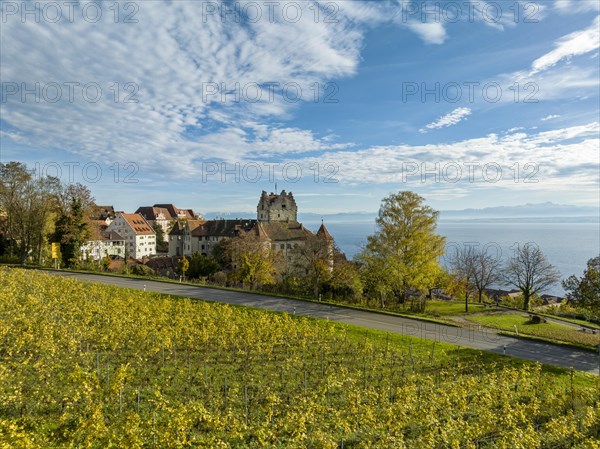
{"points": [[470, 104]]}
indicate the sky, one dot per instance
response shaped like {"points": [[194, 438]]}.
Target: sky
{"points": [[204, 104]]}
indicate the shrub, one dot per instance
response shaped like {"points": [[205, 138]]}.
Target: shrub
{"points": [[219, 278], [142, 270]]}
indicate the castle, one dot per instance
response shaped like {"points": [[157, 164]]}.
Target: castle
{"points": [[276, 224], [273, 208]]}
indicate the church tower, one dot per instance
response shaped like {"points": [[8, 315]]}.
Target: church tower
{"points": [[277, 208]]}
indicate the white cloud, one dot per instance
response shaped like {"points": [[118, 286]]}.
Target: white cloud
{"points": [[175, 61], [181, 64], [565, 158], [576, 6], [550, 117], [449, 119], [430, 32], [573, 44]]}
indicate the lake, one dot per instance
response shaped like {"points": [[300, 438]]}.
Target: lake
{"points": [[568, 246]]}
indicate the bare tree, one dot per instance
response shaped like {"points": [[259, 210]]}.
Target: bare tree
{"points": [[530, 272], [67, 193], [463, 266], [487, 271]]}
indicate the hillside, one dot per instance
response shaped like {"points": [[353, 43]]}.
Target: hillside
{"points": [[94, 366]]}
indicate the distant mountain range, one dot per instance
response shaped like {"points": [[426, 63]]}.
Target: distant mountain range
{"points": [[527, 212]]}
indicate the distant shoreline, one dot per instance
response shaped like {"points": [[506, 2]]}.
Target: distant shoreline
{"points": [[441, 219], [585, 219]]}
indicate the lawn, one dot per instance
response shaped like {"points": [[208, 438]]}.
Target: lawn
{"points": [[453, 308], [441, 309], [553, 331]]}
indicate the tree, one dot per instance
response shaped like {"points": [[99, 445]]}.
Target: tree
{"points": [[67, 193], [463, 266], [476, 269], [105, 263], [345, 280], [28, 201], [184, 264], [202, 266], [373, 274], [530, 272], [313, 257], [252, 260], [71, 231], [405, 249], [486, 273], [584, 292], [162, 246]]}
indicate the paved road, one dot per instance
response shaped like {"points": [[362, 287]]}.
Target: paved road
{"points": [[487, 341]]}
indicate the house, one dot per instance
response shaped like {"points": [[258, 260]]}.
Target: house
{"points": [[107, 243], [181, 240], [102, 213], [551, 299], [192, 236], [140, 238], [165, 215]]}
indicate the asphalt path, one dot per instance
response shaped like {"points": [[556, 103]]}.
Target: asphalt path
{"points": [[551, 354]]}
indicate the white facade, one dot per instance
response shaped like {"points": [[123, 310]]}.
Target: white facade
{"points": [[140, 239], [98, 249]]}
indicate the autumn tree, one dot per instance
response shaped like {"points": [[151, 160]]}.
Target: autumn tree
{"points": [[374, 276], [404, 252], [71, 231], [584, 292], [183, 264], [252, 260], [313, 257], [530, 272], [345, 280], [28, 202]]}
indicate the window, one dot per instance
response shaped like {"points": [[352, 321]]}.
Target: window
{"points": [[282, 246]]}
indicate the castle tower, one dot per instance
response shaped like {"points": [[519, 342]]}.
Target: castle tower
{"points": [[276, 207]]}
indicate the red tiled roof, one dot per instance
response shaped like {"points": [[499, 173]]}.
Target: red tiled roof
{"points": [[138, 224]]}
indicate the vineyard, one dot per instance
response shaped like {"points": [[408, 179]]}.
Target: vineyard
{"points": [[90, 366]]}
